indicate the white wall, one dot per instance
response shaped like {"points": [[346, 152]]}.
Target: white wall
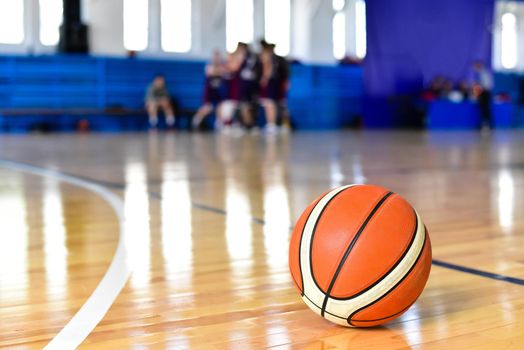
{"points": [[320, 35], [106, 26], [311, 26], [300, 28]]}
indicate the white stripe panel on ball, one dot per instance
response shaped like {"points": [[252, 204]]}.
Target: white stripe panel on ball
{"points": [[313, 293], [345, 308]]}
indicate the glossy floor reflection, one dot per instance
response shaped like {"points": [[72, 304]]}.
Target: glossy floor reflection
{"points": [[208, 217]]}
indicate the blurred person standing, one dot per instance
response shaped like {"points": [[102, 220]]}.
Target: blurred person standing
{"points": [[213, 90], [484, 79], [230, 92], [269, 86], [274, 86], [249, 73], [284, 86]]}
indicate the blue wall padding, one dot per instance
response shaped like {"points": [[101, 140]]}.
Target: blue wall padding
{"points": [[321, 97]]}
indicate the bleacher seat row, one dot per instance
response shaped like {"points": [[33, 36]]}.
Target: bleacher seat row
{"points": [[55, 92]]}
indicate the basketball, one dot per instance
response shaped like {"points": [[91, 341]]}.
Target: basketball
{"points": [[360, 255]]}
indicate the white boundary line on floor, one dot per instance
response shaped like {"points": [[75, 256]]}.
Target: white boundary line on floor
{"points": [[99, 302]]}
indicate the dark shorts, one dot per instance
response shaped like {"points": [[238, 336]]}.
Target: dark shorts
{"points": [[248, 91], [282, 91], [271, 91], [212, 96]]}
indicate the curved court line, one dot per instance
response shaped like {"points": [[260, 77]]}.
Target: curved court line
{"points": [[259, 221], [99, 302]]}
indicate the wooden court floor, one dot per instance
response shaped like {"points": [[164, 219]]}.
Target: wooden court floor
{"points": [[191, 233]]}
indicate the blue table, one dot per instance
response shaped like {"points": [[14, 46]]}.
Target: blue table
{"points": [[466, 115]]}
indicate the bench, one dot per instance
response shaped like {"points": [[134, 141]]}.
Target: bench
{"points": [[71, 119]]}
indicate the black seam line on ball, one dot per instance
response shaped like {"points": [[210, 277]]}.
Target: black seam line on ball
{"points": [[396, 285], [315, 229], [385, 318], [413, 236], [349, 248], [327, 312]]}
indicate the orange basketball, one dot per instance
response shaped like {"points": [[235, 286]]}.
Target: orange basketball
{"points": [[360, 255]]}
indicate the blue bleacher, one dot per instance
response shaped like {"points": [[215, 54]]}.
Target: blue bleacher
{"points": [[447, 115], [510, 83], [321, 97]]}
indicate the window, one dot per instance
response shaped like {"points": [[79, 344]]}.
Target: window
{"points": [[360, 28], [509, 41], [136, 26], [11, 22], [176, 25], [51, 15], [277, 24], [339, 29], [239, 22]]}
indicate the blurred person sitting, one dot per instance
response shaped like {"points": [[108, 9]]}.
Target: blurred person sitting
{"points": [[215, 71], [464, 90], [447, 89], [434, 90], [157, 97]]}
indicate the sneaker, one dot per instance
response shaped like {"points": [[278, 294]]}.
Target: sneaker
{"points": [[271, 129], [153, 122], [226, 130], [237, 131], [195, 124], [170, 122]]}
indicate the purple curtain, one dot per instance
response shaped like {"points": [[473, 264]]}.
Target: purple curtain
{"points": [[412, 41]]}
